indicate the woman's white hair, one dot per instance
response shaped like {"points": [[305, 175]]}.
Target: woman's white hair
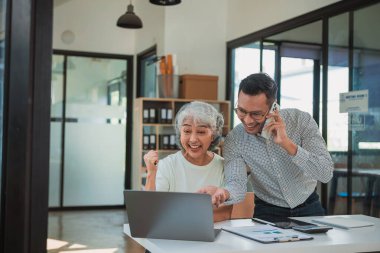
{"points": [[200, 113]]}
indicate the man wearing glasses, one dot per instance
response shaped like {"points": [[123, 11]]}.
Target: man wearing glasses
{"points": [[285, 167]]}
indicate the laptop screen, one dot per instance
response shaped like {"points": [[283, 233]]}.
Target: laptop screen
{"points": [[170, 215]]}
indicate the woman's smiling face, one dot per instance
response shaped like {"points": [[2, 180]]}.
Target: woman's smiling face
{"points": [[195, 140]]}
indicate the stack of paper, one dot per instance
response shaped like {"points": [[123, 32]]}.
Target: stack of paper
{"points": [[343, 222]]}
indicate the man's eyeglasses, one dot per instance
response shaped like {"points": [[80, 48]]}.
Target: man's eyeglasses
{"points": [[255, 115]]}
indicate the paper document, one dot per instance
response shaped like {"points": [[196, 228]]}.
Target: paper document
{"points": [[343, 222], [267, 233]]}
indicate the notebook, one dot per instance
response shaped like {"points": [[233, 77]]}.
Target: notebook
{"points": [[170, 215], [343, 222], [268, 233]]}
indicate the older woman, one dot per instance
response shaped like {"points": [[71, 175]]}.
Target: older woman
{"points": [[198, 128]]}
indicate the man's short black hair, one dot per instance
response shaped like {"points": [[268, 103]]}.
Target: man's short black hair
{"points": [[258, 83]]}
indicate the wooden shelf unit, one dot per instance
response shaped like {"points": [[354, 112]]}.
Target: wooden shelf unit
{"points": [[157, 129]]}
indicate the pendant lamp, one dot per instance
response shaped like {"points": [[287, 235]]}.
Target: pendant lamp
{"points": [[129, 19], [165, 2]]}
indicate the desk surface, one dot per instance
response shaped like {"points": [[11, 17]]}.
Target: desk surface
{"points": [[336, 240]]}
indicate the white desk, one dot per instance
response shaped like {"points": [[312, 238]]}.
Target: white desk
{"points": [[336, 240]]}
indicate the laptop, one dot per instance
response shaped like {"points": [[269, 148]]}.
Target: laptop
{"points": [[170, 215]]}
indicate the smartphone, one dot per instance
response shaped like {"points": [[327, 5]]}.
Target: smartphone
{"points": [[312, 229], [265, 133], [283, 222]]}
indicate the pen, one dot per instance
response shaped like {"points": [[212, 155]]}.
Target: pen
{"points": [[286, 239], [263, 221]]}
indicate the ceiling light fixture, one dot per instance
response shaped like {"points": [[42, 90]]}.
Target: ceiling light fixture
{"points": [[165, 2], [129, 19]]}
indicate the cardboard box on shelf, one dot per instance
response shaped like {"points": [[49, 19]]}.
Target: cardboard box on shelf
{"points": [[198, 87]]}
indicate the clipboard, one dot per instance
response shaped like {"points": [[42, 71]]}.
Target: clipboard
{"points": [[267, 234]]}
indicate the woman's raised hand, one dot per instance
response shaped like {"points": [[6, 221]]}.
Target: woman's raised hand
{"points": [[151, 161]]}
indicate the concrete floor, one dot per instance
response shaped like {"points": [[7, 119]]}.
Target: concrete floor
{"points": [[99, 231]]}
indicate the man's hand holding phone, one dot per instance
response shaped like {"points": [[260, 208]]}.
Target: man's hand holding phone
{"points": [[274, 125], [266, 132]]}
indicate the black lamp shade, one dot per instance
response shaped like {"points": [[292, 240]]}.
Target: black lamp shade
{"points": [[129, 19], [165, 2]]}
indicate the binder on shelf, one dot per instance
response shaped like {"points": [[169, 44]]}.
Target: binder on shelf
{"points": [[169, 116], [145, 141], [152, 115], [165, 141], [146, 116], [163, 115], [152, 141], [172, 142]]}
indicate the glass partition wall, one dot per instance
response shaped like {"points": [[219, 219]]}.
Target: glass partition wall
{"points": [[365, 125], [337, 123], [315, 64], [89, 159], [354, 132]]}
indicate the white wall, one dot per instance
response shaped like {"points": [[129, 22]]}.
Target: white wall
{"points": [[248, 16], [152, 33], [196, 32], [93, 23]]}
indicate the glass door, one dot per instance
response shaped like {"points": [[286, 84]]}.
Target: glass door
{"points": [[294, 65], [245, 61], [297, 67], [56, 130], [88, 152], [147, 73], [297, 84]]}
